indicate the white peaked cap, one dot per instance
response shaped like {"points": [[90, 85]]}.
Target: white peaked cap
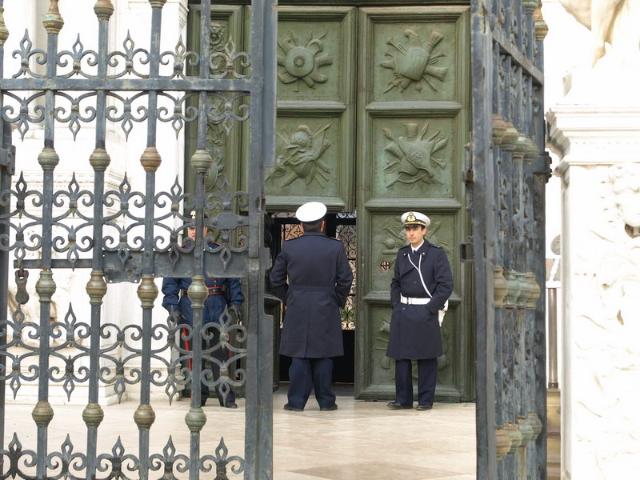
{"points": [[415, 218], [311, 211]]}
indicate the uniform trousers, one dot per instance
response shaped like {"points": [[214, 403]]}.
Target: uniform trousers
{"points": [[311, 373], [427, 372]]}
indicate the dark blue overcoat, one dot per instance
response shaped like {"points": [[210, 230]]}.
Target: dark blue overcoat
{"points": [[213, 305], [415, 332], [312, 276]]}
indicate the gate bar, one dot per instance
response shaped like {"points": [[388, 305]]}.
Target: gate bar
{"points": [[97, 287], [5, 185], [259, 403], [48, 159]]}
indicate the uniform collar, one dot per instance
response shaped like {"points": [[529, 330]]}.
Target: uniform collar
{"points": [[420, 247], [316, 234]]}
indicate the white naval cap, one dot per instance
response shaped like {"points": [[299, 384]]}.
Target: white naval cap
{"points": [[311, 211], [415, 218]]}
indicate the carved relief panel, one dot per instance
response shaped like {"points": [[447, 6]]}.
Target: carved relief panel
{"points": [[412, 57], [223, 137], [414, 158], [314, 157]]}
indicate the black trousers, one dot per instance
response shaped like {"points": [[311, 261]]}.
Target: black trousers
{"points": [[311, 373], [221, 355], [427, 373]]}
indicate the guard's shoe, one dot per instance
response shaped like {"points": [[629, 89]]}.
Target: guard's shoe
{"points": [[424, 406], [398, 406], [203, 400], [330, 408], [230, 405], [292, 409]]}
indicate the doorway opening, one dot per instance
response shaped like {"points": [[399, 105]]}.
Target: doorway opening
{"points": [[284, 226]]}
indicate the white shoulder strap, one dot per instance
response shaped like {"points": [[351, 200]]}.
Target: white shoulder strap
{"points": [[424, 285]]}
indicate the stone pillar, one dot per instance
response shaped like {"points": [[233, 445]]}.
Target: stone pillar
{"points": [[598, 136]]}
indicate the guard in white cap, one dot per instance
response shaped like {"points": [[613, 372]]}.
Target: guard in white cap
{"points": [[312, 276], [422, 282]]}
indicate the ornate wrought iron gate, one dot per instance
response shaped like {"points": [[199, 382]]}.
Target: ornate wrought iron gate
{"points": [[123, 235], [507, 178]]}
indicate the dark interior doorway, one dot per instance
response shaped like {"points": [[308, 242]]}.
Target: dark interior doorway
{"points": [[284, 226]]}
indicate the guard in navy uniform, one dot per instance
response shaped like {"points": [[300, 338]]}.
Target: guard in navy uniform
{"points": [[312, 276], [223, 292], [421, 284]]}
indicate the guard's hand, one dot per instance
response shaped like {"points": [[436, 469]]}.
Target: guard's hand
{"points": [[235, 311]]}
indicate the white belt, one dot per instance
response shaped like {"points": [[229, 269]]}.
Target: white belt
{"points": [[414, 300]]}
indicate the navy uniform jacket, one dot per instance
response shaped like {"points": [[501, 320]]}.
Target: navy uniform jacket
{"points": [[318, 284], [415, 332], [213, 305]]}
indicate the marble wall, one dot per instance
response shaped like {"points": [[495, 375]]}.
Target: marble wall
{"points": [[594, 119]]}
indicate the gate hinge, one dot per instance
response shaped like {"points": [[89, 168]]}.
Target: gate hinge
{"points": [[8, 159], [467, 176], [466, 252]]}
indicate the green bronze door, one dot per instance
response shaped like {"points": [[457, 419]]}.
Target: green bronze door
{"points": [[413, 126], [372, 119], [315, 144]]}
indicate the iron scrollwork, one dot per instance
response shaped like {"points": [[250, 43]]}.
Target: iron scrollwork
{"points": [[127, 235]]}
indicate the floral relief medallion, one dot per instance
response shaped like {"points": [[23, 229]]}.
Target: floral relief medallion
{"points": [[302, 157], [414, 61], [301, 62]]}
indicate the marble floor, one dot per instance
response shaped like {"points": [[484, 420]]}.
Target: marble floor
{"points": [[361, 440]]}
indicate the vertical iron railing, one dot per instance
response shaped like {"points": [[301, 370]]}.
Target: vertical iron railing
{"points": [[5, 186], [259, 430], [125, 229], [508, 230]]}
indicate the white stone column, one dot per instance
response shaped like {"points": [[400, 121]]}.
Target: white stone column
{"points": [[600, 171]]}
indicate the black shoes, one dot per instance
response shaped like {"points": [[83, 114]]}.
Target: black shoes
{"points": [[230, 403], [329, 409], [292, 409], [398, 406], [426, 406]]}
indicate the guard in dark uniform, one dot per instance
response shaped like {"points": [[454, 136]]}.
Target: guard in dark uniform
{"points": [[312, 276], [421, 284], [223, 292]]}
